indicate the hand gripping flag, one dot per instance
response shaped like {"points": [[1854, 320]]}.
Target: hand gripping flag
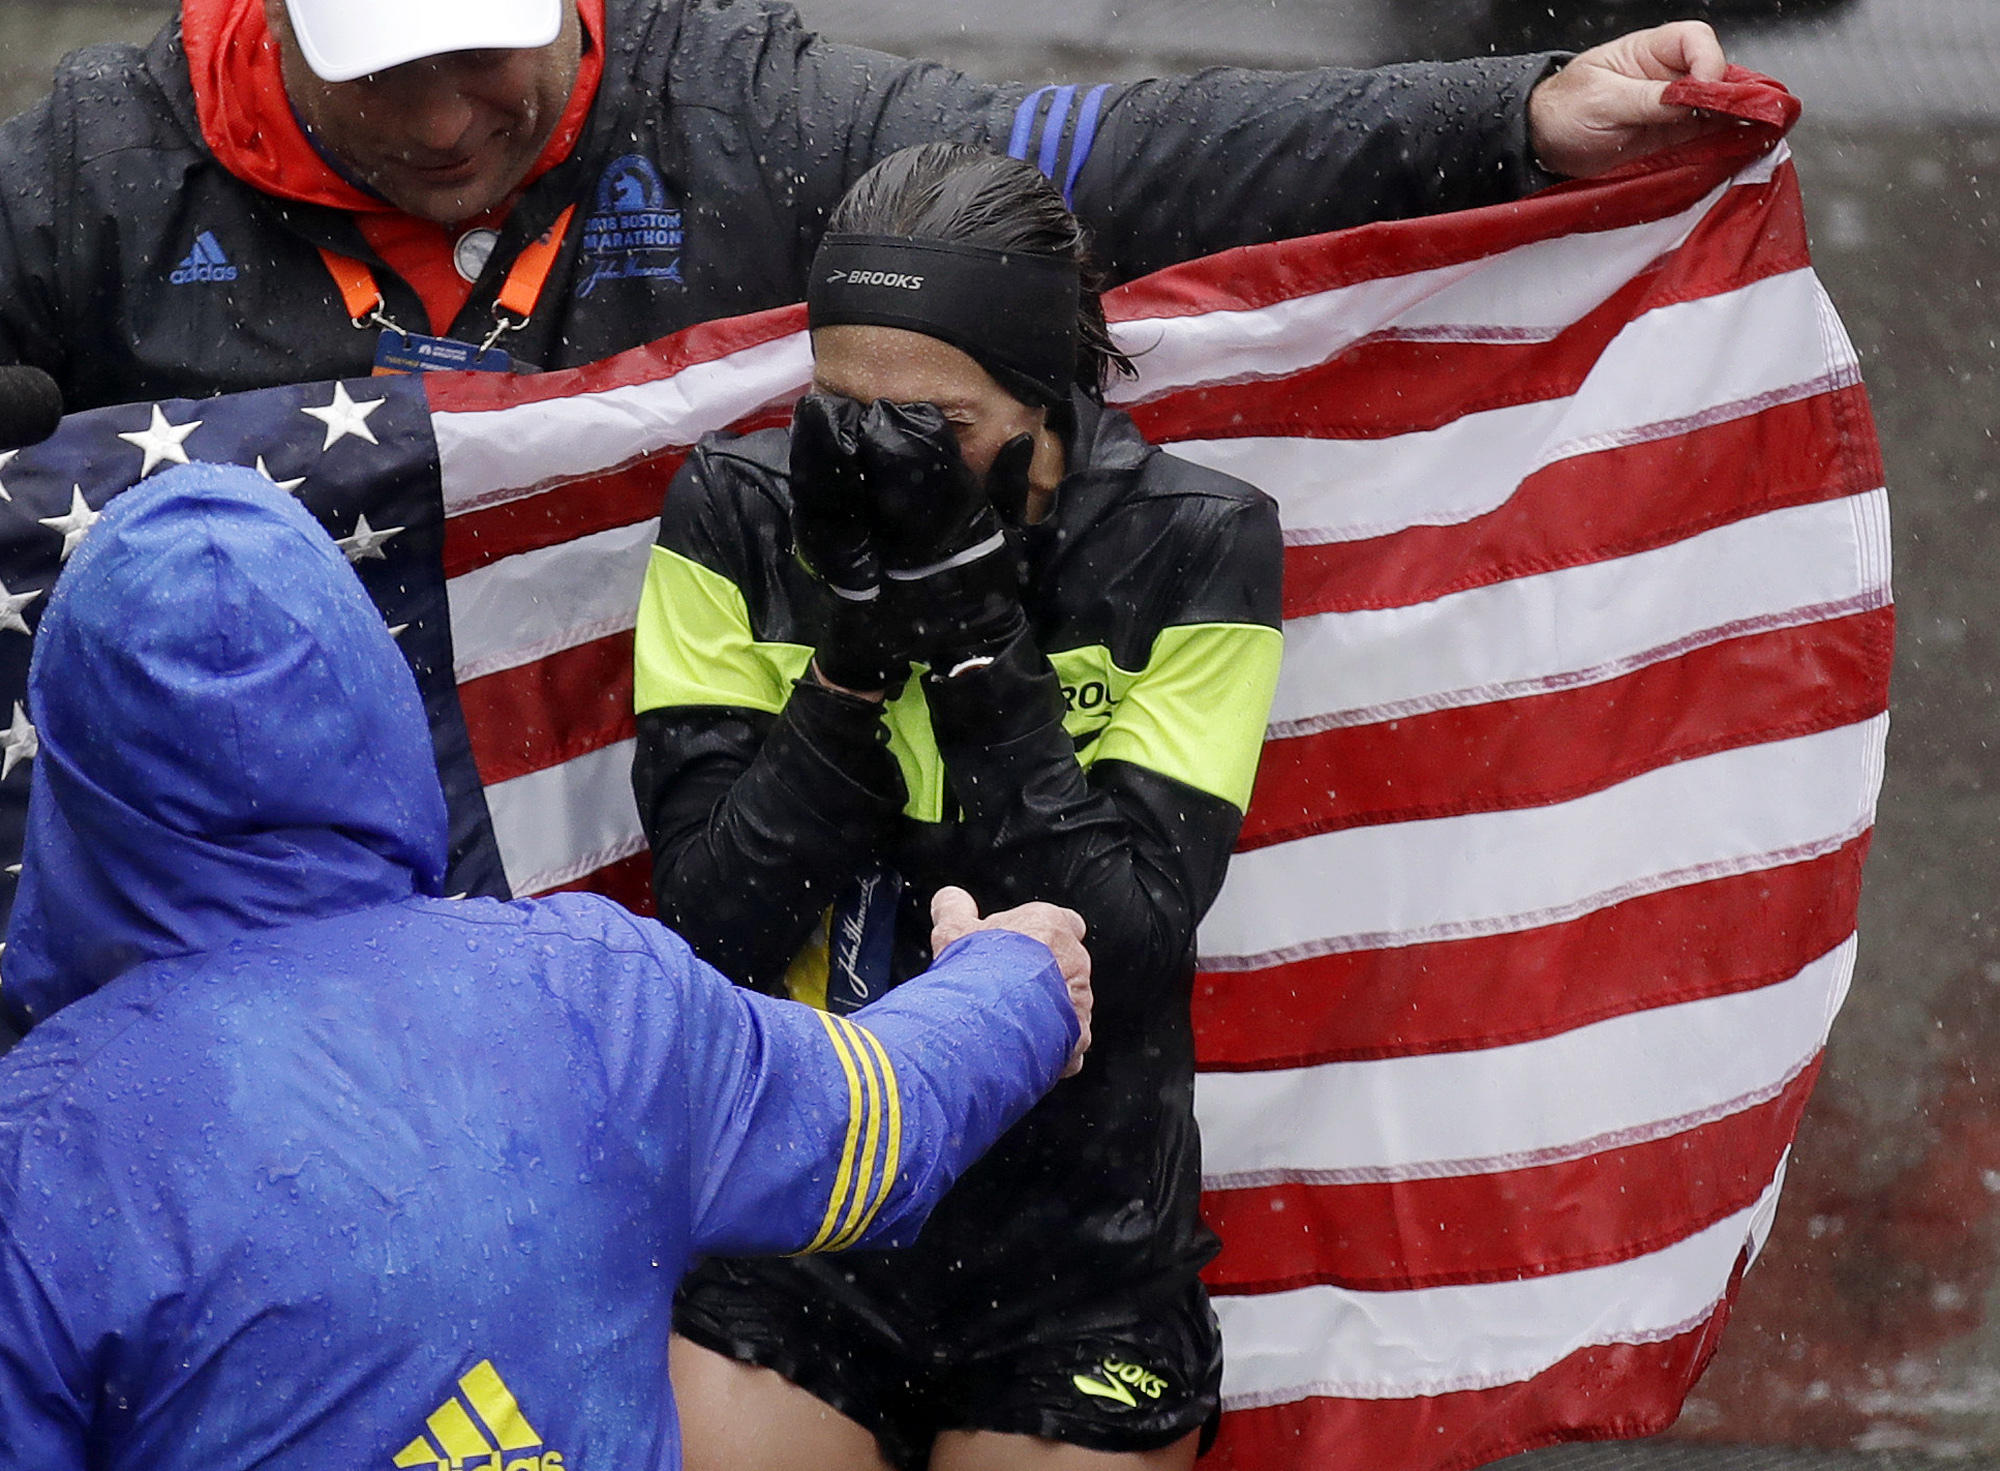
{"points": [[1546, 899]]}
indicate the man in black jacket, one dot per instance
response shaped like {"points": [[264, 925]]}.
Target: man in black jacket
{"points": [[284, 190]]}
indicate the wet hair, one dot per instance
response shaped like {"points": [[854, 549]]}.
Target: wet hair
{"points": [[963, 194]]}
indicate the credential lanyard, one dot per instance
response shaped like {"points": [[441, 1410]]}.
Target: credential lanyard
{"points": [[519, 295]]}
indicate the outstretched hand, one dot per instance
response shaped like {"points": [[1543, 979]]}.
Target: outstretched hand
{"points": [[1604, 109], [955, 915]]}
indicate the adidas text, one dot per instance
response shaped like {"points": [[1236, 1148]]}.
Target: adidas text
{"points": [[187, 274], [206, 262]]}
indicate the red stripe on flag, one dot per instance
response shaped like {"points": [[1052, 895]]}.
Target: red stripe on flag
{"points": [[568, 509], [460, 393], [629, 881], [1385, 386], [1596, 507], [551, 711], [1256, 276], [1710, 939], [1502, 1226], [560, 513], [1554, 747], [1615, 1392]]}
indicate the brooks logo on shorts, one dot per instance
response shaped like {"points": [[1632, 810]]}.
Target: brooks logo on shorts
{"points": [[206, 262], [456, 1441], [1118, 1381]]}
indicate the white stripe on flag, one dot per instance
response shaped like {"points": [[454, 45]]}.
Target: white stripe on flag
{"points": [[527, 607], [1532, 290], [1535, 289], [1622, 1081], [556, 826], [1652, 382], [1582, 625], [1281, 1347], [1496, 872], [493, 456]]}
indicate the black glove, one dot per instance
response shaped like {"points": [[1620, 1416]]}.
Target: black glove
{"points": [[950, 567], [863, 647]]}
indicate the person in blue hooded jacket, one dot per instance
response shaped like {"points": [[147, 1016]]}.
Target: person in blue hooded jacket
{"points": [[304, 1165]]}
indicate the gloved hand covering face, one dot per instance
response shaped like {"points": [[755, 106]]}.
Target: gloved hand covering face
{"points": [[865, 646], [947, 560], [830, 528]]}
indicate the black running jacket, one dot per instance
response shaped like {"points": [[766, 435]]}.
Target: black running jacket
{"points": [[1102, 762]]}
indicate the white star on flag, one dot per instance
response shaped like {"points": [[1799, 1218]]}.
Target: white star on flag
{"points": [[18, 743], [11, 604], [74, 525], [367, 541], [287, 486], [344, 417], [6, 460], [161, 441]]}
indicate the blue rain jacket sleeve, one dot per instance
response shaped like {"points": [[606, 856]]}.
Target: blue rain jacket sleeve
{"points": [[808, 1132], [41, 1420]]}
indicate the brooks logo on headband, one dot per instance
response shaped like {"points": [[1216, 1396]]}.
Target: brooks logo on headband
{"points": [[1014, 312], [878, 278]]}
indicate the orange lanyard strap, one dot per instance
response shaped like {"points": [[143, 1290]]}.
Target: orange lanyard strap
{"points": [[530, 275], [519, 294], [357, 287]]}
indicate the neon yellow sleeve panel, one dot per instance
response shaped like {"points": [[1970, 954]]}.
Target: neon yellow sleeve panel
{"points": [[1197, 711], [694, 646]]}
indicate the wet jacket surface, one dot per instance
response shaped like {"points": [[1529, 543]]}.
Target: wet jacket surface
{"points": [[1102, 762], [140, 267], [309, 1167]]}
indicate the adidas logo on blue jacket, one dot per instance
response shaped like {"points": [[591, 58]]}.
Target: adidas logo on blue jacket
{"points": [[205, 262]]}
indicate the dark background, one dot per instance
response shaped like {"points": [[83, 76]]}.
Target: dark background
{"points": [[1869, 1325]]}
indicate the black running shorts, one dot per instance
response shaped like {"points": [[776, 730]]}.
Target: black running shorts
{"points": [[1133, 1374]]}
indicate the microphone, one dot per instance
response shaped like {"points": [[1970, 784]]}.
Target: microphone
{"points": [[30, 407]]}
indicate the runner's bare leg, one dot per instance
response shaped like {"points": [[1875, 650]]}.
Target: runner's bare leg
{"points": [[983, 1450], [737, 1417]]}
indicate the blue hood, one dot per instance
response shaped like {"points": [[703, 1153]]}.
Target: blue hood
{"points": [[230, 741]]}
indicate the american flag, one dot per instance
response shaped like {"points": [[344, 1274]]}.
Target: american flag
{"points": [[1546, 899]]}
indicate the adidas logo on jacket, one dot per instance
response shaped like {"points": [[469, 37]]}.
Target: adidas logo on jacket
{"points": [[206, 262]]}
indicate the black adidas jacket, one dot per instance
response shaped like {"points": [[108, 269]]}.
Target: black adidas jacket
{"points": [[133, 265], [1103, 762]]}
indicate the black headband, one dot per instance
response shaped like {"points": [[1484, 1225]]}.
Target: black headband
{"points": [[1011, 312]]}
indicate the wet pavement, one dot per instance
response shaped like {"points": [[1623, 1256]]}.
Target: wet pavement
{"points": [[1872, 1325]]}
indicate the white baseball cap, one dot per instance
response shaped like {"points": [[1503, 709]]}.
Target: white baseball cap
{"points": [[345, 39]]}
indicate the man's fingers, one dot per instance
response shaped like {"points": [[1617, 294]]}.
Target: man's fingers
{"points": [[1081, 998], [1650, 108], [1692, 49], [1076, 1054], [954, 915], [1606, 106], [1062, 930], [1679, 49]]}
